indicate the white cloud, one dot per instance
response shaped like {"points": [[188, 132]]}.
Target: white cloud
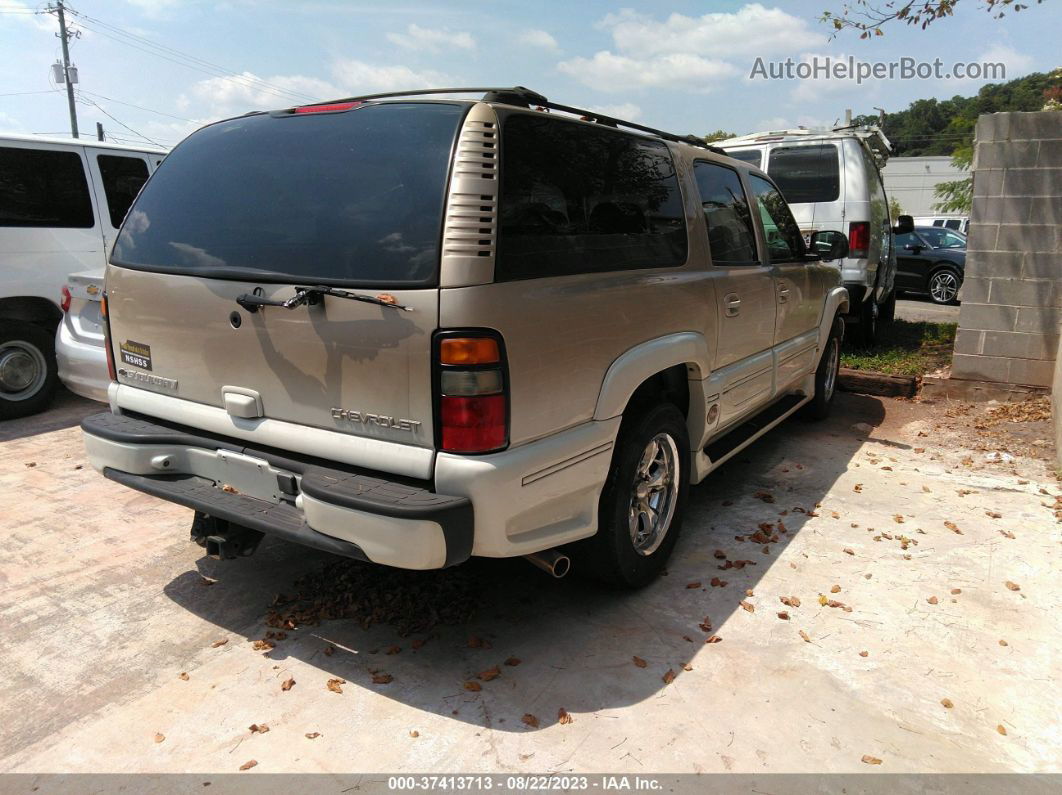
{"points": [[607, 71], [1017, 63], [751, 30], [16, 12], [689, 53], [538, 38], [357, 77], [220, 97], [427, 39], [627, 111]]}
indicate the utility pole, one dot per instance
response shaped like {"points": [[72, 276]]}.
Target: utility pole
{"points": [[99, 131], [64, 37]]}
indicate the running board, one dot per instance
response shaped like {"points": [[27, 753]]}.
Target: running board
{"points": [[735, 441]]}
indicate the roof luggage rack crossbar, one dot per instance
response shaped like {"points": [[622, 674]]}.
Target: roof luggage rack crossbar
{"points": [[521, 96]]}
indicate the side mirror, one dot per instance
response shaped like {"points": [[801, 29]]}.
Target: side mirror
{"points": [[829, 245], [904, 224]]}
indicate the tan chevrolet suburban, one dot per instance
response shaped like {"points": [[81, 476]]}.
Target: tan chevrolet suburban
{"points": [[411, 329]]}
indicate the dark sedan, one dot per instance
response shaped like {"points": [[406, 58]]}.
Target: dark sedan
{"points": [[931, 260]]}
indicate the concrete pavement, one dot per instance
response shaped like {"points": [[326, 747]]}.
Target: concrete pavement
{"points": [[114, 622]]}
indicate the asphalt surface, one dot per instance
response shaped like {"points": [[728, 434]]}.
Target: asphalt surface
{"points": [[923, 310]]}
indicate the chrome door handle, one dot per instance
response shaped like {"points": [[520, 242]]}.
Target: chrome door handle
{"points": [[732, 304], [783, 295]]}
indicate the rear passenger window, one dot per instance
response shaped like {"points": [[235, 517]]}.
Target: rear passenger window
{"points": [[123, 177], [784, 241], [582, 199], [43, 188], [751, 156], [726, 214], [806, 173]]}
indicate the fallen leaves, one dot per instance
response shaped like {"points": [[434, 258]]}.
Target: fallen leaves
{"points": [[382, 679], [870, 760], [473, 686], [183, 676], [790, 601], [530, 720], [312, 735], [747, 606], [1003, 642], [669, 677], [719, 554], [248, 764], [713, 639], [159, 737], [766, 496], [717, 583], [898, 518], [563, 717], [639, 661], [956, 591], [491, 673], [1012, 586], [835, 589], [219, 643], [806, 638], [263, 645], [1007, 534], [932, 600], [414, 733], [513, 661], [782, 614], [1001, 729], [849, 551], [335, 685], [993, 515], [693, 585], [287, 684], [858, 488], [946, 703], [392, 649], [953, 527], [258, 728], [864, 653]]}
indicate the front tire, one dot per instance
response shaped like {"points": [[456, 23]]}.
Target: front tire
{"points": [[868, 322], [944, 284], [818, 408], [641, 507], [28, 372]]}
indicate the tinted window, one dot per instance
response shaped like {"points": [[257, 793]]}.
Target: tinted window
{"points": [[908, 239], [806, 173], [753, 156], [726, 214], [939, 237], [43, 188], [784, 241], [581, 199], [332, 198], [123, 177]]}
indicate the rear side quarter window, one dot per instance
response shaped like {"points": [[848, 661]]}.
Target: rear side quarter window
{"points": [[44, 188], [123, 177], [784, 241], [726, 215], [582, 199]]}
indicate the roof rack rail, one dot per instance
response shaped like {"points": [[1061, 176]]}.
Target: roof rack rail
{"points": [[525, 97]]}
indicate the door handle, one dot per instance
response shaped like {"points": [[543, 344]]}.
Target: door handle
{"points": [[783, 295], [731, 304]]}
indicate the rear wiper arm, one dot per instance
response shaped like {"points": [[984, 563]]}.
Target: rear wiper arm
{"points": [[312, 296]]}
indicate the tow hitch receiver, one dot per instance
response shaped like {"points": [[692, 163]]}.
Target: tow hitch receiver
{"points": [[222, 539]]}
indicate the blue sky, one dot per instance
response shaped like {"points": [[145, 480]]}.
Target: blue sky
{"points": [[682, 66]]}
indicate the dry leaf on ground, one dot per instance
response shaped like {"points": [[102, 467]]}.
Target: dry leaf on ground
{"points": [[870, 760], [748, 606], [563, 717], [932, 600], [218, 643], [835, 589], [864, 653], [1013, 586], [782, 614], [714, 639], [530, 720], [1002, 729], [513, 661], [669, 677], [849, 551], [473, 686], [334, 685], [183, 676], [248, 764], [312, 735], [639, 661], [392, 649], [953, 527], [692, 585], [159, 737], [414, 733], [490, 673], [258, 728], [946, 703], [287, 684], [805, 636], [382, 679]]}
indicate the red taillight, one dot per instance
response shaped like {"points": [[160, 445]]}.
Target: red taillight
{"points": [[64, 301], [111, 370], [472, 393], [858, 239], [328, 108], [472, 424]]}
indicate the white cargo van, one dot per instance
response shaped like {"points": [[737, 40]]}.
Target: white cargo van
{"points": [[61, 203], [832, 181]]}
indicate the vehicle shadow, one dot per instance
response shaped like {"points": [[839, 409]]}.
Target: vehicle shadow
{"points": [[66, 411], [569, 643]]}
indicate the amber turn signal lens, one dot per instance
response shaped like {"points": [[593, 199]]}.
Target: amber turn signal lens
{"points": [[469, 350]]}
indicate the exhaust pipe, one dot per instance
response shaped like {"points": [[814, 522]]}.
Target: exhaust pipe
{"points": [[554, 563]]}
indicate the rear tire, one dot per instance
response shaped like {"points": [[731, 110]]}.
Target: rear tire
{"points": [[943, 285], [642, 503], [28, 372], [818, 408], [869, 314], [888, 308]]}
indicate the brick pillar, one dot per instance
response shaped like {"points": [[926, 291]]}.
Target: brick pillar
{"points": [[1012, 293]]}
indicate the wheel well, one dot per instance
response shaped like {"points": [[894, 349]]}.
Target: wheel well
{"points": [[670, 386], [31, 309], [945, 265]]}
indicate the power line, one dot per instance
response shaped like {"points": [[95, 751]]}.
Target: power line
{"points": [[27, 93], [131, 105], [101, 109], [180, 58]]}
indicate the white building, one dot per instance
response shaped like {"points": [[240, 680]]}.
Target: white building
{"points": [[911, 180]]}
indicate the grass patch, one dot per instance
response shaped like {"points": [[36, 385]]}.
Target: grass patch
{"points": [[904, 348]]}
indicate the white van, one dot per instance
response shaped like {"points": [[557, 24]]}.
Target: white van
{"points": [[957, 223], [832, 181], [61, 203]]}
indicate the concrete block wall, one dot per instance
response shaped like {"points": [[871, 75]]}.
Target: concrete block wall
{"points": [[1012, 293]]}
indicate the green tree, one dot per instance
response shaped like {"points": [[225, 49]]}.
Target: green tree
{"points": [[956, 196], [870, 17], [895, 210], [718, 135]]}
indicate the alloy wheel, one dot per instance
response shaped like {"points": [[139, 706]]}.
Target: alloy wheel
{"points": [[654, 494]]}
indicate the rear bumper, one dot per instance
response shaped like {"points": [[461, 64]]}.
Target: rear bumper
{"points": [[82, 364], [395, 522]]}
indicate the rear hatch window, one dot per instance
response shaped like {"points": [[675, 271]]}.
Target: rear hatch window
{"points": [[350, 198], [806, 174]]}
